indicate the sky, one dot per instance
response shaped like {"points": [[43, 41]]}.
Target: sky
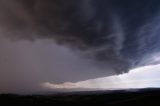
{"points": [[54, 44], [142, 77], [27, 64], [40, 66]]}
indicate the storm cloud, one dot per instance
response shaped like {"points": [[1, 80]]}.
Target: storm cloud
{"points": [[116, 34]]}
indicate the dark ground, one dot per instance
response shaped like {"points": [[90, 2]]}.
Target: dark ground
{"points": [[143, 97]]}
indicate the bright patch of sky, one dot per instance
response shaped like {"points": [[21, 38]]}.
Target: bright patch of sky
{"points": [[142, 77]]}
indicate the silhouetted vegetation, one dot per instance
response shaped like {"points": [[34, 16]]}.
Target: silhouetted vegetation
{"points": [[144, 97]]}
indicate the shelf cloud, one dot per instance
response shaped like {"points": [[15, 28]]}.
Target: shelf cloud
{"points": [[77, 40]]}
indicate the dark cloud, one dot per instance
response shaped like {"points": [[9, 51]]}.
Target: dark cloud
{"points": [[115, 33]]}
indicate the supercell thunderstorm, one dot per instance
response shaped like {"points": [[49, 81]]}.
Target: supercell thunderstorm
{"points": [[118, 35]]}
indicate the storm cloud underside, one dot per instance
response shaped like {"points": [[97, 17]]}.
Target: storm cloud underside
{"points": [[116, 35]]}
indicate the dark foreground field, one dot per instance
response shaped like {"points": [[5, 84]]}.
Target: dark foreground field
{"points": [[143, 97]]}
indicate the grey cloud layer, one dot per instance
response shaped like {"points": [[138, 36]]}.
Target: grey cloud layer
{"points": [[116, 33]]}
